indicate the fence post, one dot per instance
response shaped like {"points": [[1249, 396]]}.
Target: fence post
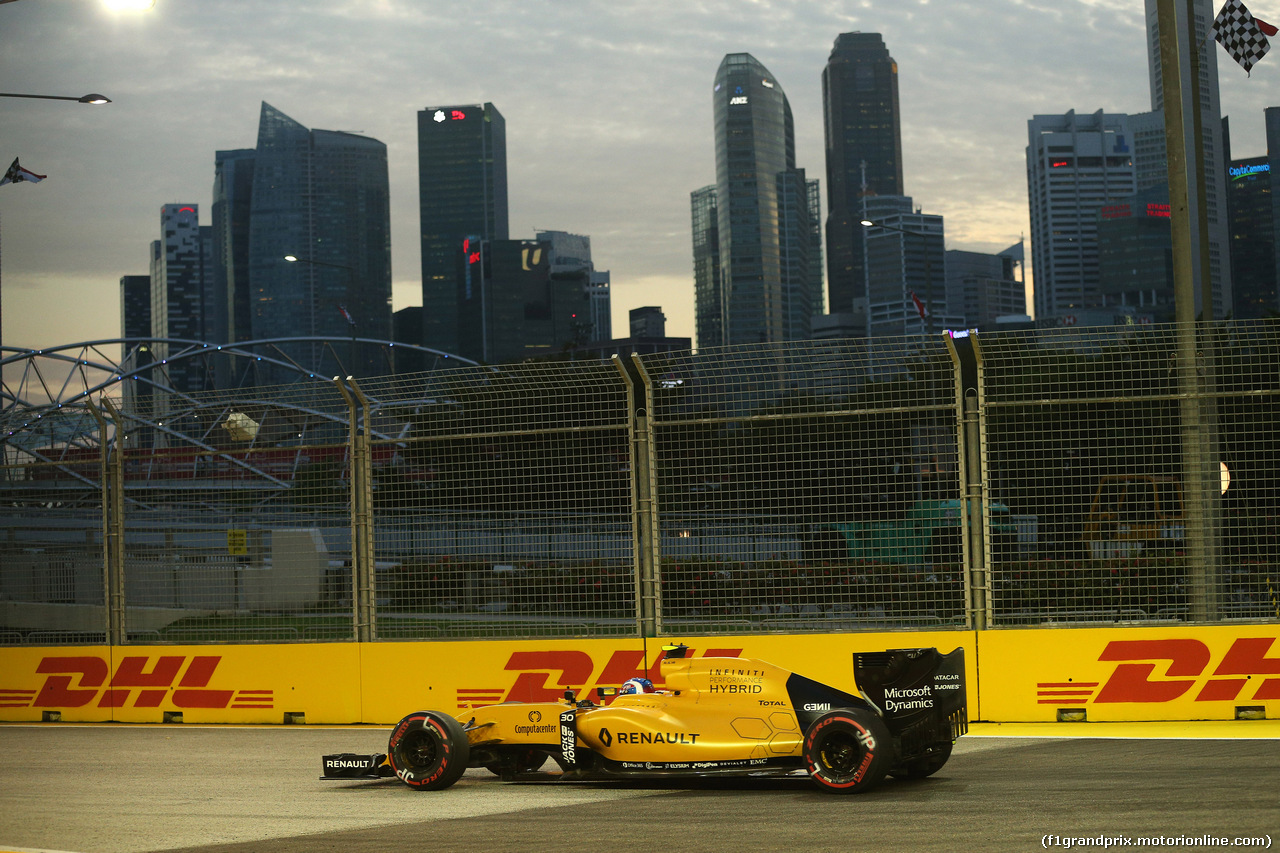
{"points": [[359, 473], [966, 356], [1191, 237], [646, 552], [1201, 472], [111, 475]]}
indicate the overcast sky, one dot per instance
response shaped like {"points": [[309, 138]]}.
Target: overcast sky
{"points": [[607, 105]]}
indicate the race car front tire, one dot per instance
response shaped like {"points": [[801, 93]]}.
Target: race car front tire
{"points": [[428, 750], [848, 751]]}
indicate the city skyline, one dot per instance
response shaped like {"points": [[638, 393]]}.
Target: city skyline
{"points": [[612, 153]]}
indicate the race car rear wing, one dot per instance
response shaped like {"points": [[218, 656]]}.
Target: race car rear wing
{"points": [[920, 692]]}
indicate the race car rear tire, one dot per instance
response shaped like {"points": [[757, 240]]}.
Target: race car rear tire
{"points": [[848, 751], [428, 750], [921, 768]]}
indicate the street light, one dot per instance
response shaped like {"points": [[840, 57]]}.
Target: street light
{"points": [[92, 98], [351, 287], [928, 272]]}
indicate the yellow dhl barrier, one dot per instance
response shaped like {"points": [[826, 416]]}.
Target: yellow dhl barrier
{"points": [[1100, 674], [1130, 674], [340, 683]]}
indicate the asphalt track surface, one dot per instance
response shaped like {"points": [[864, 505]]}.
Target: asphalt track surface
{"points": [[129, 789]]}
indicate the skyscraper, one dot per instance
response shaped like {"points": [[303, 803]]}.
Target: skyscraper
{"points": [[906, 269], [1250, 200], [762, 201], [135, 306], [462, 192], [512, 306], [707, 303], [232, 204], [135, 322], [863, 135], [1135, 257], [1210, 118], [322, 197], [177, 275], [180, 288], [1075, 164], [571, 258], [981, 287]]}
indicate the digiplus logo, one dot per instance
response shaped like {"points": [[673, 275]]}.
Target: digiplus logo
{"points": [[1182, 664], [139, 681]]}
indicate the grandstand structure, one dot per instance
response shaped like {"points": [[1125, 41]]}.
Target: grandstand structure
{"points": [[58, 406]]}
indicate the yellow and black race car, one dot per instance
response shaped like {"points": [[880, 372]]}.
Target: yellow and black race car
{"points": [[710, 717]]}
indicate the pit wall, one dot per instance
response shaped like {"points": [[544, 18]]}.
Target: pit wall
{"points": [[1108, 674]]}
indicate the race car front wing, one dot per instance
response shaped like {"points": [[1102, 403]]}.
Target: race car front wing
{"points": [[351, 765]]}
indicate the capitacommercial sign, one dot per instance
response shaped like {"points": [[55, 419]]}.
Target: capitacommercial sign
{"points": [[1171, 673]]}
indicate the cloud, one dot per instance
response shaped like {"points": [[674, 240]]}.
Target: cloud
{"points": [[608, 108]]}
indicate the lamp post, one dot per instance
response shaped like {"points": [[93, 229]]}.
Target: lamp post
{"points": [[92, 98], [351, 282], [928, 271]]}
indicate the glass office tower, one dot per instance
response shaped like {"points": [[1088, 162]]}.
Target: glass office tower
{"points": [[321, 196], [462, 193], [863, 134], [232, 200], [708, 307], [762, 209]]}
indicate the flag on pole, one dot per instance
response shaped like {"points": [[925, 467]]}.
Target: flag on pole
{"points": [[345, 313], [16, 175], [921, 308], [1241, 34]]}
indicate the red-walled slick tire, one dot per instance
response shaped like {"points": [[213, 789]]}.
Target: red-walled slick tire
{"points": [[428, 750], [848, 751]]}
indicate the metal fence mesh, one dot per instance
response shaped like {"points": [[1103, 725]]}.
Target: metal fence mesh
{"points": [[503, 504], [1118, 475], [1089, 438], [808, 487]]}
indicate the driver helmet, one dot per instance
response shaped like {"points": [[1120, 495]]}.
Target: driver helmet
{"points": [[636, 685]]}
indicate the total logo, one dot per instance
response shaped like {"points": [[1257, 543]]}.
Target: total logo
{"points": [[139, 681], [1185, 668], [543, 676]]}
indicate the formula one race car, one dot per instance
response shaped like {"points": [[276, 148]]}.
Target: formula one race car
{"points": [[712, 717]]}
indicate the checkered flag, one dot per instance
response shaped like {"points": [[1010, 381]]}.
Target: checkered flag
{"points": [[1242, 35]]}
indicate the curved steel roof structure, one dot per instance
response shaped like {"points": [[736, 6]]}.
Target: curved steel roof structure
{"points": [[232, 434]]}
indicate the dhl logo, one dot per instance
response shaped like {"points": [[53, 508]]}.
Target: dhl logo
{"points": [[1183, 664], [140, 681], [545, 676]]}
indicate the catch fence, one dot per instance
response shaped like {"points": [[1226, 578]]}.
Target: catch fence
{"points": [[1120, 475]]}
